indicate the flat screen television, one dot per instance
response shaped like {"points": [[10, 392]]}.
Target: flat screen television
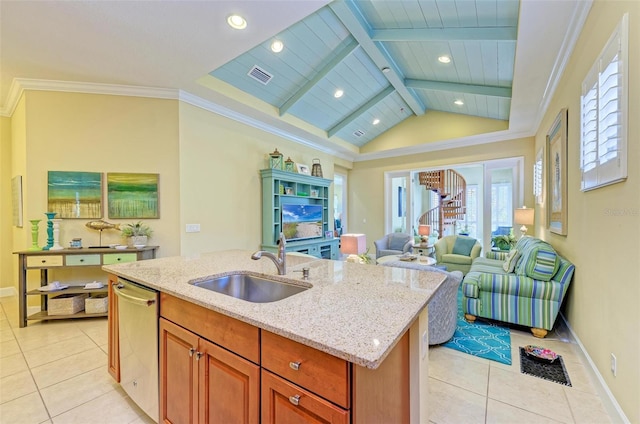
{"points": [[301, 221]]}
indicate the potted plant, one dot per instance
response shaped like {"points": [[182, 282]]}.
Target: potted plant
{"points": [[503, 241], [136, 233]]}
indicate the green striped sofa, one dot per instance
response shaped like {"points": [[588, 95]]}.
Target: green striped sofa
{"points": [[530, 296]]}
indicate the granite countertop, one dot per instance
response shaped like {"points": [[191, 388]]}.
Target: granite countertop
{"points": [[352, 311]]}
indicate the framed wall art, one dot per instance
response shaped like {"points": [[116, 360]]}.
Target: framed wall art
{"points": [[557, 175], [132, 195], [75, 194]]}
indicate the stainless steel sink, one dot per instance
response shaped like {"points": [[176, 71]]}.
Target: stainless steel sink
{"points": [[250, 287]]}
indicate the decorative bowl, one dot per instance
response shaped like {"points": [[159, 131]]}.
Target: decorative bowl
{"points": [[120, 247], [139, 246], [540, 353]]}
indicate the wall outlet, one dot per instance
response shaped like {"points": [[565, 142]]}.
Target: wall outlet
{"points": [[193, 228], [614, 365]]}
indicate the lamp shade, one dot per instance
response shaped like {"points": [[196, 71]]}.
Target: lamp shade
{"points": [[524, 216], [353, 244], [424, 230]]}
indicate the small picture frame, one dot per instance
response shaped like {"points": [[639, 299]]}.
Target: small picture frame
{"points": [[303, 169], [288, 191], [328, 234], [314, 192]]}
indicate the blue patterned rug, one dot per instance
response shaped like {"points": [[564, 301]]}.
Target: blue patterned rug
{"points": [[482, 338]]}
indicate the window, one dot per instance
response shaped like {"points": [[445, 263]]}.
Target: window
{"points": [[501, 205], [537, 177], [471, 222], [603, 142]]}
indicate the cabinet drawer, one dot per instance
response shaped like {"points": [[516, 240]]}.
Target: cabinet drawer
{"points": [[237, 336], [316, 371], [283, 401], [44, 261], [119, 258], [79, 260]]}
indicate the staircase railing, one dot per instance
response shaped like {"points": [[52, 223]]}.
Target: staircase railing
{"points": [[451, 188]]}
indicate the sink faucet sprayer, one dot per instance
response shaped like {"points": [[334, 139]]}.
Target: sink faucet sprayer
{"points": [[280, 260]]}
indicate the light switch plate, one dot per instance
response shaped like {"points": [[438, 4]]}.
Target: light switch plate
{"points": [[193, 228]]}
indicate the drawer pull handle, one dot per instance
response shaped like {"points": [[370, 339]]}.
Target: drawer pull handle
{"points": [[81, 260], [295, 400], [191, 352], [44, 261], [294, 365]]}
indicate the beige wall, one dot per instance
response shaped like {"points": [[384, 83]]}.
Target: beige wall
{"points": [[603, 224], [6, 258], [220, 182], [431, 127], [366, 179]]}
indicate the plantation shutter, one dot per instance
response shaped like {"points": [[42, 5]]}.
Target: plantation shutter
{"points": [[603, 105]]}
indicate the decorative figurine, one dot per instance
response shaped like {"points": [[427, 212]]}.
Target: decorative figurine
{"points": [[275, 160], [34, 234], [50, 216]]}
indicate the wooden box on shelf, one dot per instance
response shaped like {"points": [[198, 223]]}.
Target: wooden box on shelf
{"points": [[96, 304], [67, 304]]}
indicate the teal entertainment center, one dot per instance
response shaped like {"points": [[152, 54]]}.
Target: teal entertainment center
{"points": [[304, 202]]}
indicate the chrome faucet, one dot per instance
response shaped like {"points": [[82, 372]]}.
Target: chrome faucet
{"points": [[280, 260]]}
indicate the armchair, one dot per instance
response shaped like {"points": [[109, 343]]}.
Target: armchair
{"points": [[457, 252], [393, 244]]}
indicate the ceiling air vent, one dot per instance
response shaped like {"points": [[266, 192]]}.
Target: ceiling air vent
{"points": [[260, 75], [358, 133]]}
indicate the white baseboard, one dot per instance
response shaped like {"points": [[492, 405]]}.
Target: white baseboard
{"points": [[8, 291], [610, 403]]}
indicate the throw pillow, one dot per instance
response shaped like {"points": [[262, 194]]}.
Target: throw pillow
{"points": [[397, 241], [510, 262], [463, 246]]}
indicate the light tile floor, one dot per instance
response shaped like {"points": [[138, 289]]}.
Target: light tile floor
{"points": [[56, 372]]}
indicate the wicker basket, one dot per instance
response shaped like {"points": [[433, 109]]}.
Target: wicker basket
{"points": [[97, 304], [66, 304]]}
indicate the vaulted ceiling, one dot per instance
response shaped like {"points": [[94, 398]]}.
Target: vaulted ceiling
{"points": [[505, 59], [390, 60]]}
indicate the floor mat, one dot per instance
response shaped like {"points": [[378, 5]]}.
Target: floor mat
{"points": [[481, 338], [554, 371]]}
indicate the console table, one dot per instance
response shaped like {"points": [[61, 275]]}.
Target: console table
{"points": [[44, 260]]}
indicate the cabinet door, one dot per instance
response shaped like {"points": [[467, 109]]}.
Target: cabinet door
{"points": [[178, 374], [285, 403], [112, 324], [229, 386]]}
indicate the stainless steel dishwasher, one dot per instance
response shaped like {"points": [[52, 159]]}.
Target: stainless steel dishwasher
{"points": [[138, 328]]}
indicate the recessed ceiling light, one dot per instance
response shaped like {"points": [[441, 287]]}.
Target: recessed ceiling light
{"points": [[277, 46], [444, 59], [376, 121], [237, 22], [459, 102], [338, 93], [385, 69]]}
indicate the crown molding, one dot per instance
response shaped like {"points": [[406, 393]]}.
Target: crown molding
{"points": [[256, 123], [575, 25], [19, 85]]}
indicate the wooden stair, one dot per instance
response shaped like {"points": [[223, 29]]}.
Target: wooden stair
{"points": [[451, 188]]}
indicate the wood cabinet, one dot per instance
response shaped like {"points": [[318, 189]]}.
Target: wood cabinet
{"points": [[286, 188], [214, 368], [201, 381], [52, 260]]}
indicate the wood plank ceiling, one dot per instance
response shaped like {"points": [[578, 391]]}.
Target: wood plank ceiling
{"points": [[384, 56]]}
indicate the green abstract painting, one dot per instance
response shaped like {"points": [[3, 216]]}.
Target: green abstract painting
{"points": [[132, 195], [75, 194]]}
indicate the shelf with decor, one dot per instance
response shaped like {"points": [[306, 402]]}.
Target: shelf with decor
{"points": [[67, 298], [298, 206]]}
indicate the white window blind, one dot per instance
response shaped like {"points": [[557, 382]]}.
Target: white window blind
{"points": [[603, 104]]}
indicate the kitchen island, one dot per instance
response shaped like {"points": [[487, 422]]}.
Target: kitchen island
{"points": [[373, 319]]}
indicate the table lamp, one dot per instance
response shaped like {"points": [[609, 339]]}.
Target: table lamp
{"points": [[424, 231], [353, 244], [523, 216]]}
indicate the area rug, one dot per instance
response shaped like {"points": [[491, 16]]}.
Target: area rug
{"points": [[554, 371], [481, 338]]}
